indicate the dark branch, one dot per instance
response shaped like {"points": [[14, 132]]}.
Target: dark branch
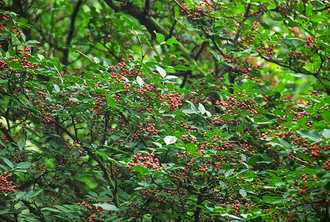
{"points": [[246, 15], [34, 211], [147, 7], [204, 45], [128, 123], [153, 26], [106, 175], [71, 32]]}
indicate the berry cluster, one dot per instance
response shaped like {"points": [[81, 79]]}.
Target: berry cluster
{"points": [[174, 100], [95, 211], [5, 185], [147, 160]]}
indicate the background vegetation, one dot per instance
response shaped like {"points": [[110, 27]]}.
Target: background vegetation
{"points": [[164, 110]]}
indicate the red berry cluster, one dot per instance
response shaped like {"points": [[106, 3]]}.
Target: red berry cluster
{"points": [[148, 127], [233, 106], [326, 165], [3, 65], [4, 18], [96, 211], [122, 73], [13, 28], [268, 51], [147, 160], [146, 88], [309, 41], [5, 185], [174, 101]]}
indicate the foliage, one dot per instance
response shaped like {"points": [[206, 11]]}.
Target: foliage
{"points": [[164, 111]]}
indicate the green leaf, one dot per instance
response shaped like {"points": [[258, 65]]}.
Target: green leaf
{"points": [[248, 85], [160, 37], [170, 140], [111, 102], [253, 160], [57, 65], [182, 68], [20, 194], [3, 167], [284, 143], [229, 172], [8, 162], [28, 195], [171, 77], [147, 218], [13, 64], [318, 18], [326, 133], [56, 88], [218, 29], [11, 50], [309, 10], [62, 208], [231, 216], [312, 135], [326, 115], [172, 41], [23, 20], [327, 186], [201, 108], [102, 154], [272, 199], [32, 193], [96, 60], [106, 206], [23, 165], [189, 111], [50, 209], [32, 42], [140, 169], [161, 71], [140, 81], [242, 192], [229, 46], [217, 56], [191, 147]]}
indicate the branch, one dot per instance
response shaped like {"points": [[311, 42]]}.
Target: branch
{"points": [[246, 15], [128, 123], [153, 26], [7, 135], [172, 29], [181, 7], [302, 71], [185, 77], [201, 49], [321, 9], [34, 211], [106, 175], [71, 31], [6, 218], [147, 7]]}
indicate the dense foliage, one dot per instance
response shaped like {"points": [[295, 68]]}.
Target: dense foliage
{"points": [[164, 110]]}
